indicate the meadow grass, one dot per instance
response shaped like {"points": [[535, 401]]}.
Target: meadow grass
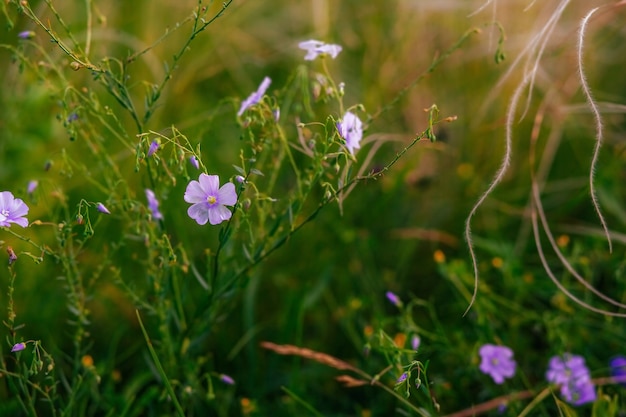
{"points": [[446, 263]]}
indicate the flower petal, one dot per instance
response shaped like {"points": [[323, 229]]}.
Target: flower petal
{"points": [[194, 193], [219, 214], [227, 194], [210, 184], [199, 213]]}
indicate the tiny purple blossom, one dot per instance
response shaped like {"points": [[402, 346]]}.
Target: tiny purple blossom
{"points": [[276, 114], [102, 209], [194, 161], [154, 146], [351, 129], [227, 379], [497, 362], [26, 34], [209, 200], [12, 210], [153, 204], [240, 179], [415, 342], [618, 369], [393, 299], [402, 378], [255, 97], [32, 185], [72, 117], [18, 346], [315, 48], [12, 255]]}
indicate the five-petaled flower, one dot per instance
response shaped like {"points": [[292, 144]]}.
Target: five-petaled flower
{"points": [[255, 97], [351, 129], [570, 372], [315, 48], [12, 210], [153, 204], [497, 362], [209, 200]]}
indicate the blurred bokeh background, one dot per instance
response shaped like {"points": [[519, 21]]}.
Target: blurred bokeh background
{"points": [[325, 289]]}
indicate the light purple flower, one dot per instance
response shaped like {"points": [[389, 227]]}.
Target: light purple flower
{"points": [[497, 362], [227, 379], [393, 298], [351, 129], [565, 367], [153, 204], [402, 378], [415, 342], [194, 161], [26, 34], [571, 373], [12, 210], [255, 97], [618, 369], [240, 179], [315, 48], [32, 185], [12, 255], [102, 209], [18, 346], [154, 146], [209, 200], [72, 117]]}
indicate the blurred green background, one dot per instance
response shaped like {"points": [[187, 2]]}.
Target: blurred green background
{"points": [[327, 285]]}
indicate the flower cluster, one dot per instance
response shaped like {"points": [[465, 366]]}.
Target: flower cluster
{"points": [[567, 370], [570, 372]]}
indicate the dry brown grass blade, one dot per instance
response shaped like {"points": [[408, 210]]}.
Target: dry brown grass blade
{"points": [[320, 357]]}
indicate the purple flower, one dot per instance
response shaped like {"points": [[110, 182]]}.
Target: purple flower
{"points": [[255, 97], [570, 372], [154, 146], [497, 361], [315, 48], [26, 34], [102, 209], [194, 161], [227, 379], [153, 204], [563, 368], [402, 378], [618, 369], [351, 129], [12, 210], [240, 179], [579, 391], [72, 117], [393, 299], [415, 342], [209, 200], [18, 346], [32, 185]]}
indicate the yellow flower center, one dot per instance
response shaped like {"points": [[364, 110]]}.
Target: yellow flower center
{"points": [[211, 199]]}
